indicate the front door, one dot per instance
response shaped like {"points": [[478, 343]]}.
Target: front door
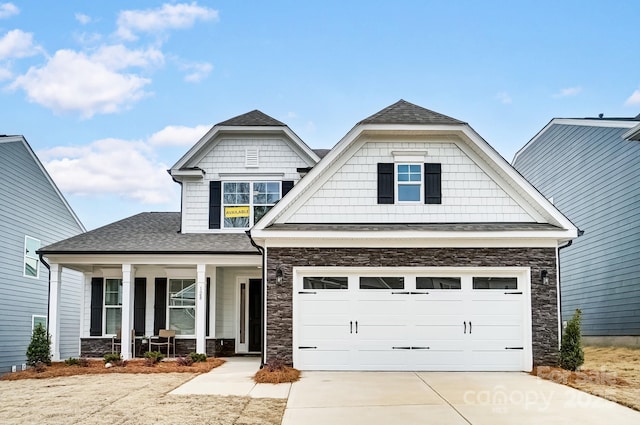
{"points": [[250, 316]]}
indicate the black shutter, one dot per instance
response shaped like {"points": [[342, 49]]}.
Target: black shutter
{"points": [[97, 292], [385, 183], [208, 305], [287, 185], [160, 305], [432, 184], [139, 304], [215, 196]]}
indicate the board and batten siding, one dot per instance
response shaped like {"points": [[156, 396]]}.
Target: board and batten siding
{"points": [[468, 193], [30, 206], [275, 156], [593, 176]]}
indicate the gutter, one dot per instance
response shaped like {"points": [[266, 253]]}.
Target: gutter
{"points": [[567, 245], [262, 301]]}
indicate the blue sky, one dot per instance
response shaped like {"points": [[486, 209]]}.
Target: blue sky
{"points": [[111, 94]]}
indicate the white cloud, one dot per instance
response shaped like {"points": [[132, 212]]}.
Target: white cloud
{"points": [[17, 44], [83, 19], [196, 72], [504, 97], [117, 57], [8, 9], [569, 91], [111, 166], [5, 74], [178, 135], [634, 99], [155, 21], [72, 82]]}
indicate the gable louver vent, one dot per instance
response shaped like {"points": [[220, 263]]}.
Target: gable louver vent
{"points": [[251, 158]]}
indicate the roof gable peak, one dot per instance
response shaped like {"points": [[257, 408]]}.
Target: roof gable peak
{"points": [[251, 119], [403, 112]]}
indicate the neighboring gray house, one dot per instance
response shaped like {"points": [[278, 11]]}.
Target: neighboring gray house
{"points": [[33, 213], [412, 245], [591, 171]]}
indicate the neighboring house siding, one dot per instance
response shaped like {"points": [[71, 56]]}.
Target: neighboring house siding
{"points": [[468, 193], [279, 299], [29, 206], [593, 176], [275, 156]]}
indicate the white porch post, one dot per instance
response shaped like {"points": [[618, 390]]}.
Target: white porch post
{"points": [[212, 302], [55, 276], [201, 309], [127, 310]]}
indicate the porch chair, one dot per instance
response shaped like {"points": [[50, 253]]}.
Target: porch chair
{"points": [[165, 338], [116, 342]]}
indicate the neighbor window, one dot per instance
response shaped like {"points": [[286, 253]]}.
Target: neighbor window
{"points": [[409, 180], [182, 306], [38, 320], [244, 203], [112, 306], [31, 259]]}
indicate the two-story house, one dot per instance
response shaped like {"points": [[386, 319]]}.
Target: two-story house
{"points": [[412, 245], [33, 213]]}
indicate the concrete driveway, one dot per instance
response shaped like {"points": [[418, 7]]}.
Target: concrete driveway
{"points": [[440, 398]]}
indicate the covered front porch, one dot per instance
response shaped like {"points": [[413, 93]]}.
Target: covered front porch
{"points": [[212, 302]]}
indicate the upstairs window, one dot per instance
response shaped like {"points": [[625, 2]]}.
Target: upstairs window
{"points": [[31, 259], [244, 203], [409, 181]]}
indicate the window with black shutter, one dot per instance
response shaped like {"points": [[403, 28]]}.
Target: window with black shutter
{"points": [[215, 195], [385, 183], [432, 183], [95, 326]]}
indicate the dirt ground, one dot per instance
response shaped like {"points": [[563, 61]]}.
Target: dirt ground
{"points": [[609, 372], [126, 399]]}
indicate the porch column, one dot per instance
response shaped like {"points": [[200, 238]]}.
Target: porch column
{"points": [[55, 278], [127, 310], [201, 309]]}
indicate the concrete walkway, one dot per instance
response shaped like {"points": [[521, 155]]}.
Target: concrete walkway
{"points": [[234, 377]]}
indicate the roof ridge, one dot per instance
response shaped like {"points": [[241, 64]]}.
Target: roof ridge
{"points": [[403, 112], [253, 118]]}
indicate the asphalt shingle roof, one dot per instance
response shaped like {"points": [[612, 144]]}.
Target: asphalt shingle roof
{"points": [[253, 118], [151, 233], [403, 112]]}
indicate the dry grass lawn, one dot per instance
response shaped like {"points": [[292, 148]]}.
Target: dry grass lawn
{"points": [[126, 398], [609, 372]]}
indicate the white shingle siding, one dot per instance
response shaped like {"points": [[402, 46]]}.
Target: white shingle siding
{"points": [[275, 156], [468, 193]]}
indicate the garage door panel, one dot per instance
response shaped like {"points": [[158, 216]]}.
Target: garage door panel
{"points": [[382, 358], [437, 359], [435, 307], [326, 359], [320, 306], [502, 307], [496, 359], [326, 333]]}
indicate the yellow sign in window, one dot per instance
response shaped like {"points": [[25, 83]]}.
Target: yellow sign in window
{"points": [[231, 212]]}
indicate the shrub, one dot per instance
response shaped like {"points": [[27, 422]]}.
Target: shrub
{"points": [[153, 357], [571, 353], [39, 350], [72, 362], [198, 357], [113, 358], [184, 361]]}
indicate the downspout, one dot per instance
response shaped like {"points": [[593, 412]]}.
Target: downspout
{"points": [[262, 296], [42, 260], [567, 245]]}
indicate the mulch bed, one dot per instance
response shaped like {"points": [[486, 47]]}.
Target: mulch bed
{"points": [[278, 376], [97, 367]]}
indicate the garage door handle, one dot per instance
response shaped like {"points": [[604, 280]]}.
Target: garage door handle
{"points": [[420, 348], [514, 348], [401, 348], [470, 327], [356, 326], [351, 327], [400, 293], [465, 327], [419, 293], [513, 293], [307, 348], [304, 292]]}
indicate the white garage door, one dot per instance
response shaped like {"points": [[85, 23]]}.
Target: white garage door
{"points": [[471, 319]]}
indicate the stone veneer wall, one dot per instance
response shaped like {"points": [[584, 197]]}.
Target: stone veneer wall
{"points": [[544, 307], [224, 347]]}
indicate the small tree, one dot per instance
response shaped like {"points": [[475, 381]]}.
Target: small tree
{"points": [[39, 350], [571, 353]]}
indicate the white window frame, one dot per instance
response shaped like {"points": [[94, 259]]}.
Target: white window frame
{"points": [[106, 306], [170, 307], [251, 204], [31, 257], [33, 321], [420, 183]]}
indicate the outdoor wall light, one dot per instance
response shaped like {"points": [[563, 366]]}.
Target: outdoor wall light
{"points": [[545, 277], [279, 276]]}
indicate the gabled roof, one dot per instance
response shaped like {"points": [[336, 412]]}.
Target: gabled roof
{"points": [[151, 233], [22, 140], [253, 118], [404, 118], [255, 122], [634, 133], [403, 112]]}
